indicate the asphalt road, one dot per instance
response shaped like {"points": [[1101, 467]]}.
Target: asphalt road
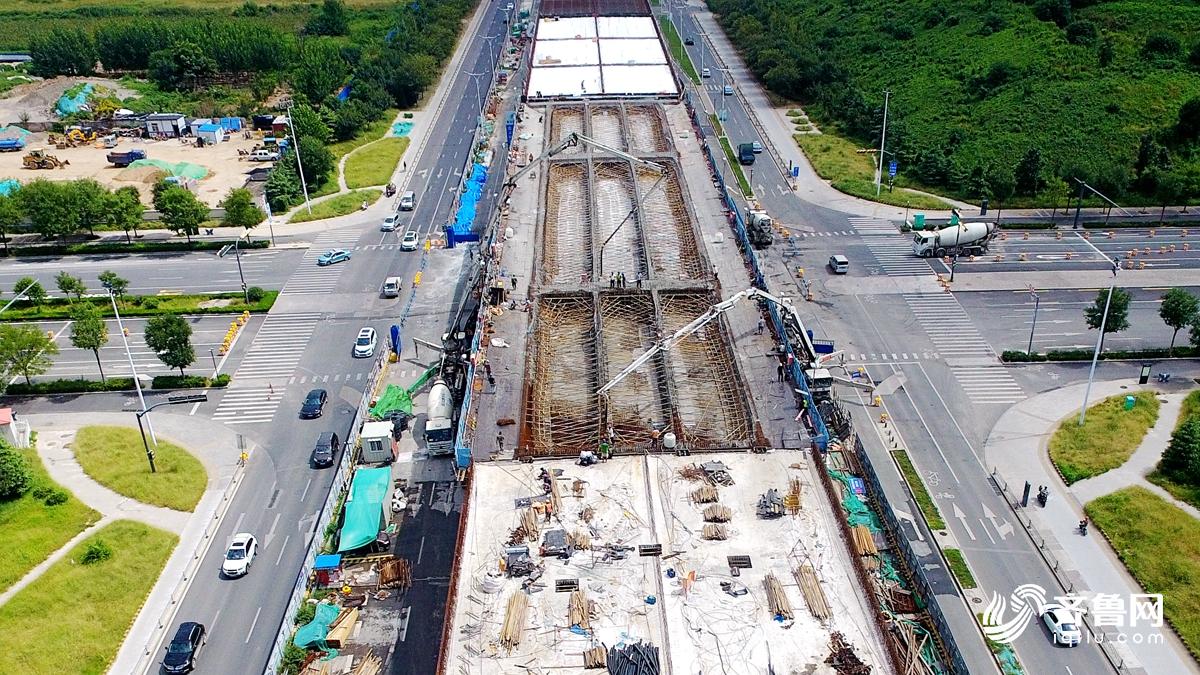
{"points": [[151, 273], [307, 338]]}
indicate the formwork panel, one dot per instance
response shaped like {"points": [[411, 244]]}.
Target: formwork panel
{"points": [[709, 404], [607, 127], [646, 129], [565, 120], [613, 186], [563, 416], [670, 233], [567, 235], [638, 403]]}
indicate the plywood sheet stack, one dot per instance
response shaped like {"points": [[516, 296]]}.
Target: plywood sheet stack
{"points": [[717, 513], [777, 600], [864, 543], [514, 620]]}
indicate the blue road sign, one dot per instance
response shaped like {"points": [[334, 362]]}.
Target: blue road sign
{"points": [[892, 168], [795, 172]]}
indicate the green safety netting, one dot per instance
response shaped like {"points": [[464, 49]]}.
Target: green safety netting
{"points": [[857, 512], [184, 169], [314, 632], [364, 508], [888, 571], [394, 398]]}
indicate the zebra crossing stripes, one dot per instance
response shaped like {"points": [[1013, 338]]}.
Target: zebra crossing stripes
{"points": [[310, 279], [343, 238], [278, 346], [950, 330], [988, 384], [892, 253], [250, 405]]}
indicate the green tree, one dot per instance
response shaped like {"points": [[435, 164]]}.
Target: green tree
{"points": [[1178, 309], [182, 211], [26, 350], [1118, 313], [69, 285], [283, 187], [50, 207], [123, 208], [1187, 125], [331, 19], [320, 70], [34, 292], [62, 51], [1106, 52], [114, 283], [1161, 45], [15, 478], [90, 199], [10, 217], [307, 123], [240, 209], [316, 161], [89, 331], [1028, 174], [183, 66], [1181, 459], [170, 337], [157, 190]]}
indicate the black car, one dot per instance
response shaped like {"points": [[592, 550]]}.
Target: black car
{"points": [[181, 652], [325, 450], [689, 41], [314, 403]]}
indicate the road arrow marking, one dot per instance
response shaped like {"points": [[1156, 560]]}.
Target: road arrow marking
{"points": [[908, 517], [963, 518], [271, 533], [1004, 529]]}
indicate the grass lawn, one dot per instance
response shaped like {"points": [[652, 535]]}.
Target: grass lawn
{"points": [[329, 187], [675, 46], [837, 160], [31, 530], [373, 131], [1181, 491], [115, 458], [1107, 438], [932, 516], [1160, 545], [958, 565], [145, 305], [1189, 409], [374, 164], [74, 617], [340, 205]]}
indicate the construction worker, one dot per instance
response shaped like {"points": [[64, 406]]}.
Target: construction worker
{"points": [[500, 441]]}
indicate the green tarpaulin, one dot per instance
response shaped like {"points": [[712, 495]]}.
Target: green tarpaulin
{"points": [[314, 631], [184, 169], [394, 398], [364, 508]]}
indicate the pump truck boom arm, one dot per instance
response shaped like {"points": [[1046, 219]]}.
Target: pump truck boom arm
{"points": [[573, 140]]}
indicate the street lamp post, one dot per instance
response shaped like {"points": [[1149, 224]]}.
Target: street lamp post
{"points": [[299, 165], [171, 400], [137, 384], [213, 356], [882, 142], [1036, 302], [238, 256], [1096, 355]]}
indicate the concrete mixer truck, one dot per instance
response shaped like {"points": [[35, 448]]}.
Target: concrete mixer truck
{"points": [[439, 425], [961, 239]]}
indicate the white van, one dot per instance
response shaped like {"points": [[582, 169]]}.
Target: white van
{"points": [[391, 287], [408, 201], [839, 264]]}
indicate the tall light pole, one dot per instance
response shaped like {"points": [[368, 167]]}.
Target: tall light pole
{"points": [[882, 142], [1096, 355], [17, 297], [299, 166], [1036, 301], [137, 384], [171, 400]]}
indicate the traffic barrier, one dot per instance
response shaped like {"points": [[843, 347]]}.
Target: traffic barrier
{"points": [[1058, 234], [1024, 257], [999, 257], [1186, 246], [1024, 235], [1152, 233], [1070, 255], [1142, 265], [1087, 235]]}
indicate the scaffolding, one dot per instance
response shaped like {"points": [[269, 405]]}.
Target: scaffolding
{"points": [[562, 413], [567, 240], [640, 403], [613, 183], [565, 121]]}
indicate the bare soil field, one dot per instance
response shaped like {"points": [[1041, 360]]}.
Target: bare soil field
{"points": [[226, 169], [37, 99]]}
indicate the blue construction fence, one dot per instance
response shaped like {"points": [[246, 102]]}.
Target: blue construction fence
{"points": [[463, 227], [819, 432]]}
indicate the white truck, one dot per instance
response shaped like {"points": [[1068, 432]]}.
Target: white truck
{"points": [[759, 227], [439, 425], [961, 239]]}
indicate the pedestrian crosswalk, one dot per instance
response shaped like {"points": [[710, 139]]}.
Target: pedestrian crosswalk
{"points": [[278, 346], [343, 238], [892, 252], [251, 405], [310, 279], [953, 335]]}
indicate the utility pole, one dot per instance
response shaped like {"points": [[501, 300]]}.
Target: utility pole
{"points": [[132, 368], [299, 166], [1036, 302], [1096, 355], [882, 142]]}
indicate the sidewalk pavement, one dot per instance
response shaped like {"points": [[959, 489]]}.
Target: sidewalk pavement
{"points": [[216, 448], [1016, 450]]}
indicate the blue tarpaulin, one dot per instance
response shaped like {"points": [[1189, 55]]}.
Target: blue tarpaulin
{"points": [[344, 93], [401, 128], [231, 123], [464, 220], [8, 186], [73, 104]]}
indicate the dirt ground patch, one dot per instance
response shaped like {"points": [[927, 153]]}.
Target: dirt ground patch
{"points": [[226, 169], [37, 99]]}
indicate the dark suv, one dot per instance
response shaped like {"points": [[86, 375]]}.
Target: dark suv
{"points": [[325, 451], [181, 652]]}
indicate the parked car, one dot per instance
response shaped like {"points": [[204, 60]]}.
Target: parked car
{"points": [[1064, 627], [263, 155], [410, 241], [705, 72], [325, 451], [182, 650], [689, 41], [364, 346], [839, 264], [314, 404], [336, 255], [240, 555], [390, 223]]}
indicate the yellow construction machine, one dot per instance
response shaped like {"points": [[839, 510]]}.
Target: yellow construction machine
{"points": [[38, 159]]}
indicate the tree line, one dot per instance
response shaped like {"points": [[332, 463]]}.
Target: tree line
{"points": [[59, 209], [1179, 309]]}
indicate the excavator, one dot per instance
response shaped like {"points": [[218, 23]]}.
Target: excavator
{"points": [[38, 159]]}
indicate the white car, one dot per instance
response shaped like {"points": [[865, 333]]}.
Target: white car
{"points": [[240, 555], [410, 241], [390, 223], [1064, 627], [364, 346]]}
